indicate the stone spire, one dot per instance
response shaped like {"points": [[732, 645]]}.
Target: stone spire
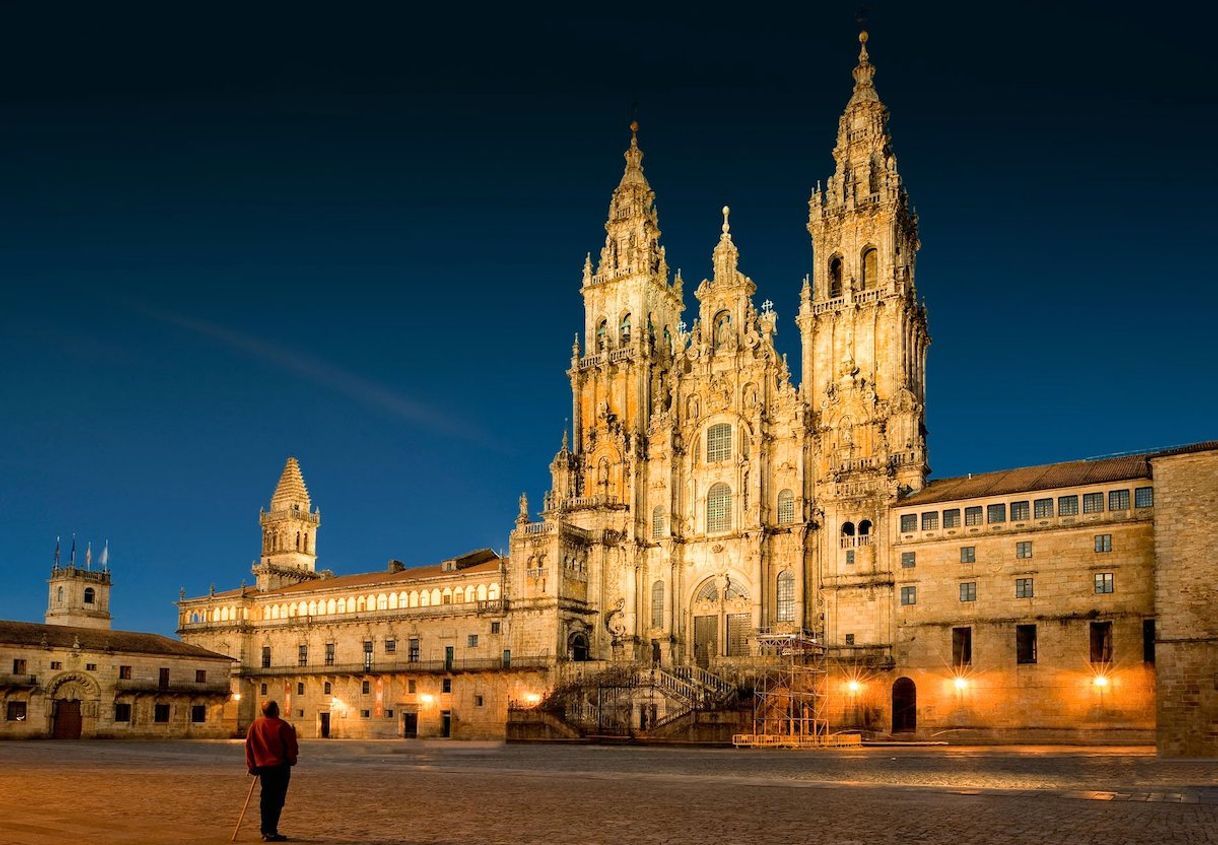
{"points": [[291, 489], [726, 257], [632, 232], [864, 74]]}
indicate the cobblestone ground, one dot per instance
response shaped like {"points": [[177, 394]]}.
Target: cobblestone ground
{"points": [[432, 792]]}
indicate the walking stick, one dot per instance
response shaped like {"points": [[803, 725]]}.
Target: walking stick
{"points": [[244, 806]]}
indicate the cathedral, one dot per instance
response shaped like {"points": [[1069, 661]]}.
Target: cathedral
{"points": [[703, 500]]}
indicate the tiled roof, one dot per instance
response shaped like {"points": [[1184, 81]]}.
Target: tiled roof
{"points": [[94, 639], [1046, 476]]}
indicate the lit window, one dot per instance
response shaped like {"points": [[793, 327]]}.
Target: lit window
{"points": [[972, 516], [996, 513], [930, 520], [657, 604], [1118, 500], [968, 591], [786, 597], [1093, 502], [1144, 497], [719, 508], [909, 522], [909, 595], [909, 559], [786, 507], [657, 521], [1025, 643], [1103, 543], [718, 442], [1020, 511], [951, 518], [1023, 550], [968, 554], [1042, 508], [1104, 582], [1067, 506], [1023, 588]]}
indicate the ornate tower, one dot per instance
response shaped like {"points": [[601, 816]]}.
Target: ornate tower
{"points": [[79, 597], [289, 532]]}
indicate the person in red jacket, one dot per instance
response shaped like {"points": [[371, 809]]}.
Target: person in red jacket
{"points": [[270, 754]]}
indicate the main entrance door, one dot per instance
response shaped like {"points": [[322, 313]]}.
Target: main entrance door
{"points": [[66, 720], [410, 725], [325, 725], [706, 639], [904, 706]]}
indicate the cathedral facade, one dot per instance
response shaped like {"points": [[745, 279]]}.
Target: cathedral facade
{"points": [[703, 497]]}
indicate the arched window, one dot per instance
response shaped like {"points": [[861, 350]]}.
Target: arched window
{"points": [[306, 541], [657, 522], [786, 596], [718, 442], [482, 592], [382, 602], [786, 507], [297, 541], [493, 592], [89, 595], [435, 596], [723, 328], [657, 604], [847, 529], [651, 331], [719, 508], [330, 607], [402, 600], [341, 607], [447, 596], [667, 339], [624, 330], [470, 593], [864, 527], [602, 335], [312, 608], [59, 596], [871, 268], [425, 599], [393, 601], [360, 604], [835, 277]]}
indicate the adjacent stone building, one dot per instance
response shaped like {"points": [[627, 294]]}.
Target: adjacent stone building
{"points": [[74, 677], [702, 496]]}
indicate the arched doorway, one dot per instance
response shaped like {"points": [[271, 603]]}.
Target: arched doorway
{"points": [[577, 646], [66, 719], [904, 706], [722, 619], [74, 699]]}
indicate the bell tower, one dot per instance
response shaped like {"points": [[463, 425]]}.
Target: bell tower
{"points": [[863, 331], [79, 596], [289, 532]]}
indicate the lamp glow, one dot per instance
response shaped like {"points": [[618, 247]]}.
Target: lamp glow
{"points": [[532, 698], [961, 682], [427, 698], [236, 696], [1101, 681], [853, 687]]}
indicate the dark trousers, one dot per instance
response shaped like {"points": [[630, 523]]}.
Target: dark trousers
{"points": [[274, 792]]}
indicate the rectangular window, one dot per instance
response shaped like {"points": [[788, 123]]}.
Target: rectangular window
{"points": [[1148, 641], [160, 713], [56, 664], [367, 654], [446, 685], [365, 687], [968, 554], [299, 688], [507, 658], [198, 713], [909, 595], [472, 641], [972, 516], [951, 518], [124, 673], [930, 520], [996, 513], [391, 646], [1020, 511], [17, 709], [968, 591], [909, 522], [909, 559], [325, 688], [1103, 543], [302, 655], [412, 653], [412, 686], [449, 653], [1144, 497], [1023, 588], [718, 442], [122, 712], [786, 597], [1042, 508], [264, 689], [367, 646], [1025, 643], [850, 557], [850, 639], [200, 676], [962, 647], [163, 677], [388, 714], [1101, 642], [494, 627], [329, 654], [1023, 549], [19, 666], [1118, 500], [1067, 505], [266, 657], [1093, 503], [477, 701], [90, 667], [1104, 582], [300, 713], [365, 714]]}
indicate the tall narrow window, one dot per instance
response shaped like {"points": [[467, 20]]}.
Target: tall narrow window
{"points": [[719, 508], [602, 335], [89, 595], [1025, 643], [786, 597], [1148, 641], [871, 268], [962, 647], [302, 656], [786, 507], [657, 522], [266, 657], [1101, 642], [624, 332], [657, 604], [835, 277], [718, 442]]}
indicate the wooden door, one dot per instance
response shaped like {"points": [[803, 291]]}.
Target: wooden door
{"points": [[410, 725], [706, 639], [904, 706], [325, 725], [66, 721]]}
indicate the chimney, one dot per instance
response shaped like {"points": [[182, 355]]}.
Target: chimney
{"points": [[396, 566]]}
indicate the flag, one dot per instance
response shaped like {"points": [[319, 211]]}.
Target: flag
{"points": [[89, 555], [56, 551], [72, 557], [103, 559]]}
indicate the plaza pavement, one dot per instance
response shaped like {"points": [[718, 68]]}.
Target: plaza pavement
{"points": [[132, 793]]}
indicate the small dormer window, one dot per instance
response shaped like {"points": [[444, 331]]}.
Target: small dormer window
{"points": [[89, 595]]}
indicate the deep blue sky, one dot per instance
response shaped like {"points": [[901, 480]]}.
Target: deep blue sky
{"points": [[234, 232]]}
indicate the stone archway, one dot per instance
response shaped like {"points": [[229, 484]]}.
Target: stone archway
{"points": [[721, 617], [904, 706], [73, 699]]}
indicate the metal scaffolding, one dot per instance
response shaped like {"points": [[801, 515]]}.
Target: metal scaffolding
{"points": [[790, 707]]}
